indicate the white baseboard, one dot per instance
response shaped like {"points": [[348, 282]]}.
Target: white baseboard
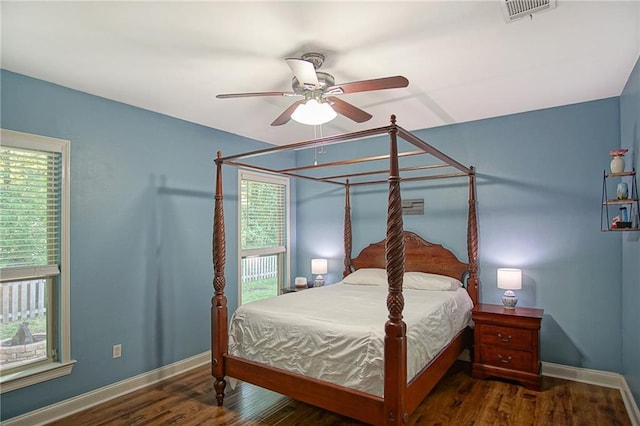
{"points": [[596, 377], [104, 394]]}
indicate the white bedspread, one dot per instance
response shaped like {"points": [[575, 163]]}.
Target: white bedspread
{"points": [[336, 333]]}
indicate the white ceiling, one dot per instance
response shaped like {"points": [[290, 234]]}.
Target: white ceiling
{"points": [[462, 60]]}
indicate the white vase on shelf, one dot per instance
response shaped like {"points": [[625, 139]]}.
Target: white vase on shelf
{"points": [[617, 164]]}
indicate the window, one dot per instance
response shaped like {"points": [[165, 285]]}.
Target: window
{"points": [[34, 259], [264, 235]]}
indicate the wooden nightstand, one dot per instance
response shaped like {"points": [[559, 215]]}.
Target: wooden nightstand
{"points": [[507, 344]]}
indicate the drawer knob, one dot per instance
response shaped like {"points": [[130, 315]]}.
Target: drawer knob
{"points": [[505, 339], [506, 360]]}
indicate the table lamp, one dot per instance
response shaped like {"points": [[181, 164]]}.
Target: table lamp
{"points": [[319, 267], [509, 279]]}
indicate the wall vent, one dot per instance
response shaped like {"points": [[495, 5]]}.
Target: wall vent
{"points": [[413, 206], [517, 9]]}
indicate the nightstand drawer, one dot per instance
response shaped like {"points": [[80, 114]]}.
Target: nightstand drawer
{"points": [[506, 336], [507, 358]]}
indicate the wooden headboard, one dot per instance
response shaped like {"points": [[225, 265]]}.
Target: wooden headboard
{"points": [[420, 256]]}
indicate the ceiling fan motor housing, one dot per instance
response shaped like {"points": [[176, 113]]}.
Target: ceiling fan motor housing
{"points": [[317, 59], [324, 80]]}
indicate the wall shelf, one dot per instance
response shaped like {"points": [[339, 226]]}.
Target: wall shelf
{"points": [[607, 212]]}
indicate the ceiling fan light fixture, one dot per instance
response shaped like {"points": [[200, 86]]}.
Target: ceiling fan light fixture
{"points": [[313, 113]]}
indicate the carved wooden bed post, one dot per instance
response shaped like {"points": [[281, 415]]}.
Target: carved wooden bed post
{"points": [[472, 240], [219, 310], [347, 232], [395, 343]]}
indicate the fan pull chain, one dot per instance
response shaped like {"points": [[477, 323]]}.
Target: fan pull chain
{"points": [[317, 133]]}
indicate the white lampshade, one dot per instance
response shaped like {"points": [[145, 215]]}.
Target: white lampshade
{"points": [[318, 266], [509, 279], [313, 113]]}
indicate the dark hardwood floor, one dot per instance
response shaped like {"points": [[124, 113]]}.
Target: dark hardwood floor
{"points": [[188, 399]]}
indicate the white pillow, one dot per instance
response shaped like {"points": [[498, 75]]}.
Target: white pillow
{"points": [[367, 276], [411, 280], [425, 281]]}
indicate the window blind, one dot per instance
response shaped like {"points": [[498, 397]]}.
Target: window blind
{"points": [[263, 215], [30, 207]]}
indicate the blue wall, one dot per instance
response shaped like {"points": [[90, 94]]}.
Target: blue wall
{"points": [[141, 227], [141, 220], [630, 137], [539, 196]]}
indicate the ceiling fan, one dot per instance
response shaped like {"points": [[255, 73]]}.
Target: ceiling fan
{"points": [[319, 90]]}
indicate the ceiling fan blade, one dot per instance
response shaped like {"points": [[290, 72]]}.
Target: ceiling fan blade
{"points": [[368, 85], [348, 110], [248, 95], [286, 115], [304, 71]]}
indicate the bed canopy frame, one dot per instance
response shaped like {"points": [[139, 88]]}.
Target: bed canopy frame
{"points": [[396, 254]]}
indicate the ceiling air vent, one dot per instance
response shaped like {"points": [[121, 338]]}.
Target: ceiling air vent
{"points": [[516, 9]]}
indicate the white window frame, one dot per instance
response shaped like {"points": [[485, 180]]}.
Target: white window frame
{"points": [[268, 178], [63, 365]]}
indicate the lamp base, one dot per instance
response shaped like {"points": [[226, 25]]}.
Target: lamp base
{"points": [[509, 300], [319, 281]]}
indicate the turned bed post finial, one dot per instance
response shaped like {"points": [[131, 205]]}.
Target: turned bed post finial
{"points": [[219, 244], [395, 344], [219, 335], [347, 232], [394, 250], [472, 240]]}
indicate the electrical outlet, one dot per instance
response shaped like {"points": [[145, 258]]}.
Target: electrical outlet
{"points": [[117, 350]]}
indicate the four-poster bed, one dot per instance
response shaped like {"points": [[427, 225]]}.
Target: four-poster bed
{"points": [[400, 252]]}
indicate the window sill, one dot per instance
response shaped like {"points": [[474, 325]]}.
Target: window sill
{"points": [[35, 375]]}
